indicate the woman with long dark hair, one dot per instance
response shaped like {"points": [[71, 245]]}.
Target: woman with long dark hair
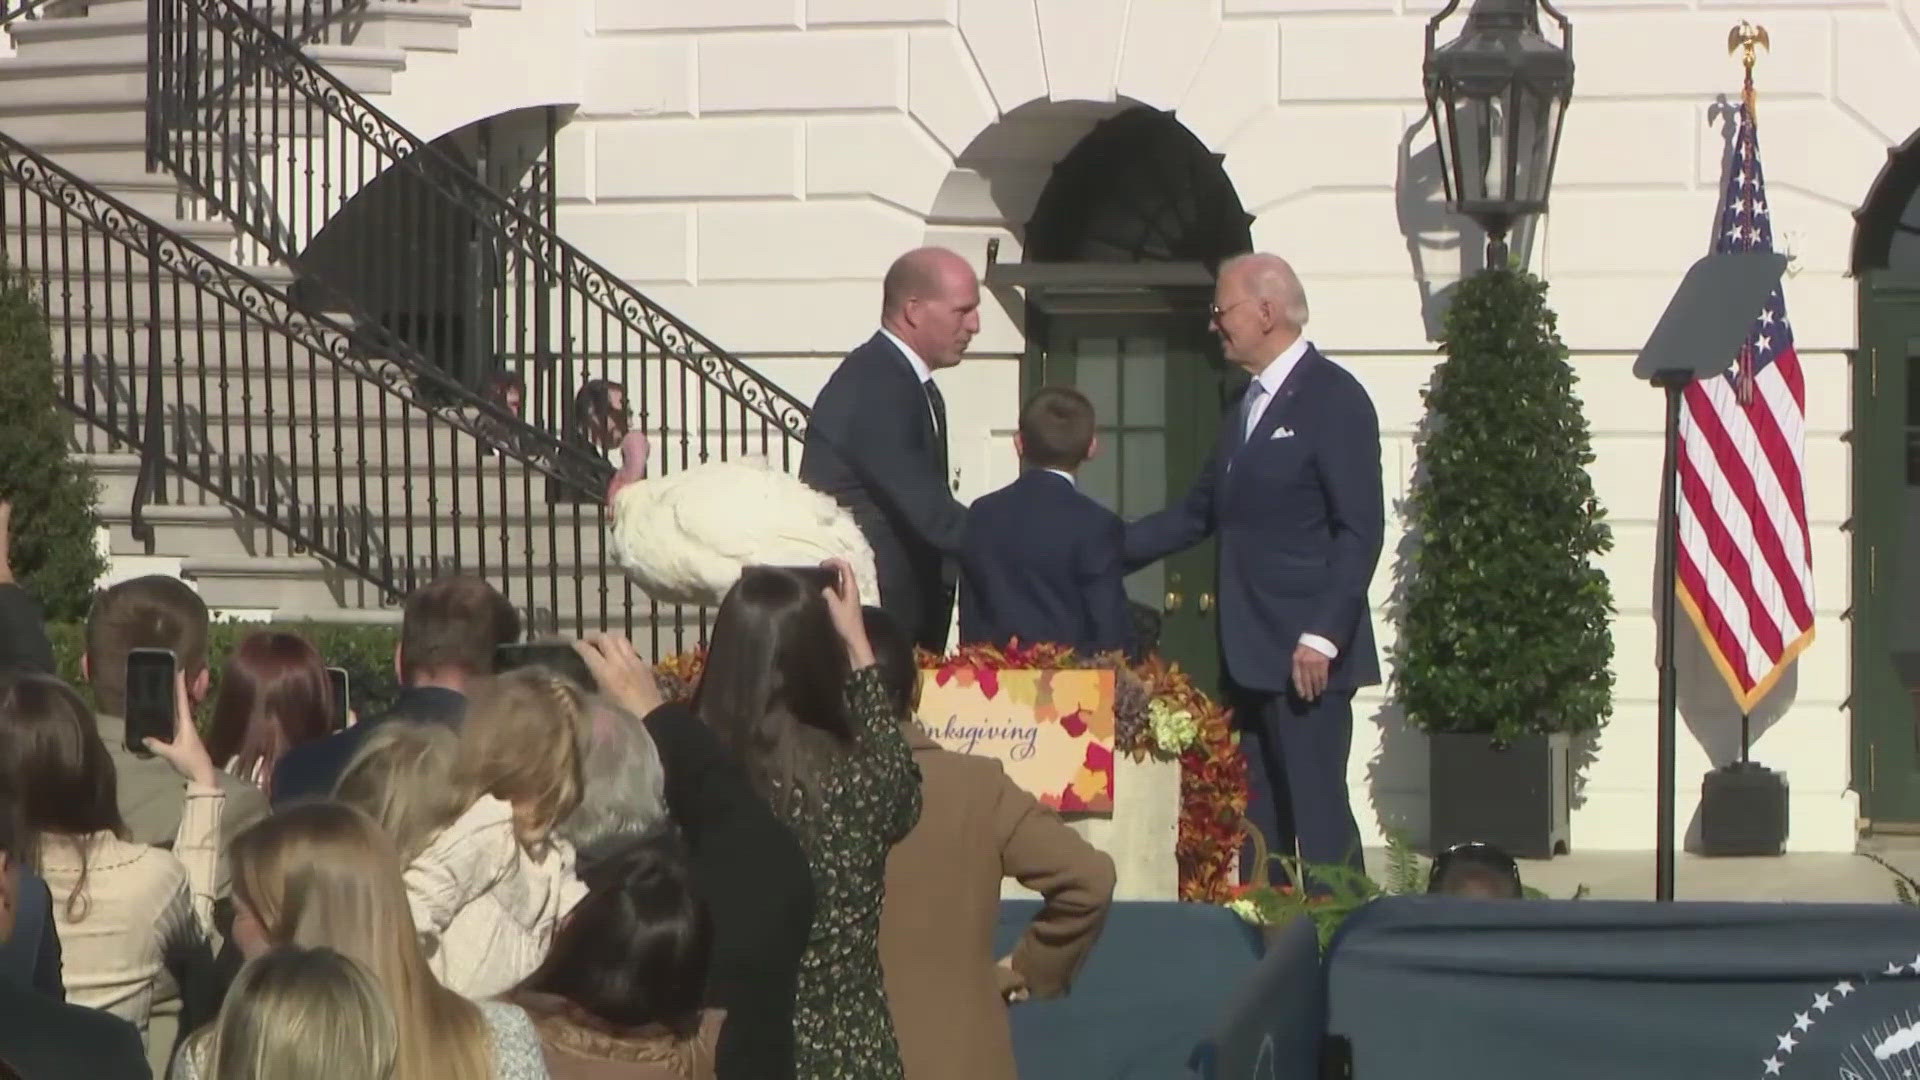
{"points": [[790, 685], [619, 995], [274, 696]]}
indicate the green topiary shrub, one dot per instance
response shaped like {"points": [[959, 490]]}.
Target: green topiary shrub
{"points": [[53, 494], [1505, 628]]}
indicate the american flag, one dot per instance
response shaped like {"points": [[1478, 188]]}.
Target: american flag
{"points": [[1745, 562]]}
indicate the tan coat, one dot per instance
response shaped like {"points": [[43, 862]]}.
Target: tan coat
{"points": [[944, 987]]}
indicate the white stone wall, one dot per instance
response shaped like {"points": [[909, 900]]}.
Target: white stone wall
{"points": [[754, 165]]}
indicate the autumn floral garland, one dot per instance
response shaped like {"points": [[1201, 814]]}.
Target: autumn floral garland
{"points": [[1158, 713]]}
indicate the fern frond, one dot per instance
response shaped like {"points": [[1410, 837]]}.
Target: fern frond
{"points": [[1404, 872], [1906, 889]]}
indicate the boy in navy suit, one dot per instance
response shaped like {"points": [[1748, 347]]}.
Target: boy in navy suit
{"points": [[1040, 561]]}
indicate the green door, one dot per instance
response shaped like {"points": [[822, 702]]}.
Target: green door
{"points": [[1886, 560], [1158, 385]]}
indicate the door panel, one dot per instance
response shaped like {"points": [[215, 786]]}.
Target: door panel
{"points": [[1886, 552], [1157, 385]]}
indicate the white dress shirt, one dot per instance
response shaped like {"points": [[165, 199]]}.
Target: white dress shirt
{"points": [[920, 368], [1266, 385], [1268, 382]]}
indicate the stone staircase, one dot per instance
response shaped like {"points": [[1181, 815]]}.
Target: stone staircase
{"points": [[292, 432]]}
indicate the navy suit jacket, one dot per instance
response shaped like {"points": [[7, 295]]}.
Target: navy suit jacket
{"points": [[1299, 521], [310, 770], [1042, 562], [871, 445]]}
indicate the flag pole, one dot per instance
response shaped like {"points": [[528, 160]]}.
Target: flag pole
{"points": [[1746, 40]]}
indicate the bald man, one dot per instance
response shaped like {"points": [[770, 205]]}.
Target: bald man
{"points": [[877, 440], [1293, 494]]}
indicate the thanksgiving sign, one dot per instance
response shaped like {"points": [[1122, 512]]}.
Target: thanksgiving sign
{"points": [[1051, 730]]}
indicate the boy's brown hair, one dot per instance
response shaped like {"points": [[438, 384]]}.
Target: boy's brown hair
{"points": [[1056, 429]]}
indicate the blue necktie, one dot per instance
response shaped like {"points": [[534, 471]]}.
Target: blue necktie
{"points": [[1249, 405]]}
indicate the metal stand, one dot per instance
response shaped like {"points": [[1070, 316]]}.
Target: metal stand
{"points": [[1675, 385]]}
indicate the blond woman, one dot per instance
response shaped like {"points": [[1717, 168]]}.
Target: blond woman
{"points": [[492, 883], [324, 874], [402, 777], [303, 1014]]}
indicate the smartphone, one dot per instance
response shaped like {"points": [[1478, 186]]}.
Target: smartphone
{"points": [[337, 680], [556, 656], [150, 675]]}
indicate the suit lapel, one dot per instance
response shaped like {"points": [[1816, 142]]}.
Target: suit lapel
{"points": [[1283, 398], [911, 379], [1275, 411]]}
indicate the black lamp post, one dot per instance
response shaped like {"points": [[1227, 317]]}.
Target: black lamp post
{"points": [[1497, 95]]}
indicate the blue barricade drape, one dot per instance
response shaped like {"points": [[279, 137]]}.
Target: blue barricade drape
{"points": [[1274, 1020], [1150, 993], [1443, 989]]}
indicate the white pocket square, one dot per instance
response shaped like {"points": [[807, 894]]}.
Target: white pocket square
{"points": [[1281, 433]]}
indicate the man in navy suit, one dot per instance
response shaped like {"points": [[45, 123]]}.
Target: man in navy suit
{"points": [[1293, 495], [1039, 560], [877, 439]]}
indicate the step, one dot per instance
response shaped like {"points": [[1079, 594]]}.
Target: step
{"points": [[13, 229], [96, 81], [309, 582], [420, 442], [428, 27], [68, 249], [118, 299], [386, 23], [155, 194], [508, 537], [116, 472]]}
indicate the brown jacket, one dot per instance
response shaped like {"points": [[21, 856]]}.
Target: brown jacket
{"points": [[943, 900], [577, 1047]]}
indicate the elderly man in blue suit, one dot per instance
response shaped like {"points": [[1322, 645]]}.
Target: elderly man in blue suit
{"points": [[1293, 495]]}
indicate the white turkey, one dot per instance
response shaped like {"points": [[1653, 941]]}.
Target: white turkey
{"points": [[684, 537]]}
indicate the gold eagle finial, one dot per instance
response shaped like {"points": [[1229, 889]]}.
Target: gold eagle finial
{"points": [[1745, 38]]}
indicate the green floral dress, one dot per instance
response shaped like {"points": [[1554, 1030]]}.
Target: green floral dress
{"points": [[868, 798]]}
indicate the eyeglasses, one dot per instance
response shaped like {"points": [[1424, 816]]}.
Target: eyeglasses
{"points": [[1217, 312], [1473, 851]]}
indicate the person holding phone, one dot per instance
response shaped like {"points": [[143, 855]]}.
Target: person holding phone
{"points": [[274, 695], [791, 687], [122, 909]]}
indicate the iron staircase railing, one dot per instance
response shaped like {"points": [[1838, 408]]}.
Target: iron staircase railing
{"points": [[297, 420], [297, 152], [420, 240]]}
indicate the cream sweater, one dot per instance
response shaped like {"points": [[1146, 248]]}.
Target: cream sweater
{"points": [[485, 908], [139, 904]]}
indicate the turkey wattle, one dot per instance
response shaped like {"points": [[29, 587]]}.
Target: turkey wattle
{"points": [[684, 537]]}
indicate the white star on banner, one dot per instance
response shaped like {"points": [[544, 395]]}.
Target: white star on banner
{"points": [[1843, 988], [1822, 1002], [1773, 1066], [1801, 1021]]}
